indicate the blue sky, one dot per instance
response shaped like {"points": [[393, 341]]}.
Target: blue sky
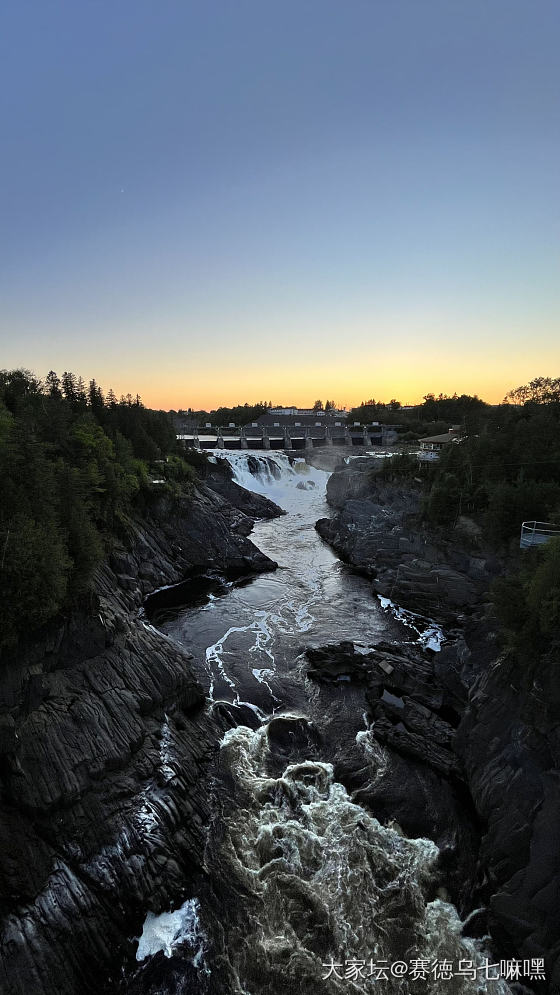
{"points": [[222, 201]]}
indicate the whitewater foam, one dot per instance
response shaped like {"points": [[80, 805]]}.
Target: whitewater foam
{"points": [[170, 930]]}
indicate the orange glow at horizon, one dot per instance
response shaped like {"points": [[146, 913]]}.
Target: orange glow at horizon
{"points": [[388, 356], [301, 388]]}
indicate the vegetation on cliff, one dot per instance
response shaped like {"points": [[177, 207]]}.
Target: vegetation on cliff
{"points": [[434, 415], [74, 465], [506, 472], [503, 471], [527, 603]]}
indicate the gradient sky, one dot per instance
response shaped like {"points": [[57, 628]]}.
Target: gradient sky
{"points": [[228, 200]]}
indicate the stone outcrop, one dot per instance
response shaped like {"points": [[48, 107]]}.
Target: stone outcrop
{"points": [[377, 530], [104, 741], [414, 775], [249, 503], [510, 744], [505, 750]]}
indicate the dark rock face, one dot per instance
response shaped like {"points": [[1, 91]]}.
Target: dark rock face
{"points": [[510, 744], [104, 809], [350, 482], [205, 533], [504, 757], [333, 664], [375, 531], [411, 710], [414, 775], [103, 744], [290, 738], [249, 503]]}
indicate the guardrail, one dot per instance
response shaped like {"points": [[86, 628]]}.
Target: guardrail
{"points": [[537, 533]]}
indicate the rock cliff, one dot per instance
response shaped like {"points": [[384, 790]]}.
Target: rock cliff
{"points": [[377, 530], [104, 740], [504, 734]]}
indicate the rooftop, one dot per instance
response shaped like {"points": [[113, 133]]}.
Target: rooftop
{"points": [[449, 436]]}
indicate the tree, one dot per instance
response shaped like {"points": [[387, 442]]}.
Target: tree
{"points": [[318, 406], [444, 500], [71, 474], [16, 386], [541, 390], [330, 405], [81, 397], [34, 572], [69, 388], [52, 384], [95, 397], [527, 604], [456, 409]]}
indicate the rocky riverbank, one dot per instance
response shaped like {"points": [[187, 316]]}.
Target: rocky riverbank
{"points": [[405, 769], [104, 742], [467, 727], [377, 530]]}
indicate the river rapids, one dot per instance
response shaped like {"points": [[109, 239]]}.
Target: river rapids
{"points": [[304, 890]]}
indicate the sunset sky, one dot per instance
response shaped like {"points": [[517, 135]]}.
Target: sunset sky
{"points": [[232, 200]]}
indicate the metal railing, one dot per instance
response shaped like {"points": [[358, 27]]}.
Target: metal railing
{"points": [[536, 533]]}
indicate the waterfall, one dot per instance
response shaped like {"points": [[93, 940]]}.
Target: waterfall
{"points": [[283, 479], [298, 874]]}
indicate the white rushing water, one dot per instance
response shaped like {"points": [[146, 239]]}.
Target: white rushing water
{"points": [[303, 875], [169, 930], [249, 640], [430, 637], [277, 476], [330, 884]]}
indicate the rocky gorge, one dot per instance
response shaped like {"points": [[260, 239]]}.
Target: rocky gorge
{"points": [[116, 801], [474, 719], [96, 820]]}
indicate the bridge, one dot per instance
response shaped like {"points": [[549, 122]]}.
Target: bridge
{"points": [[287, 438]]}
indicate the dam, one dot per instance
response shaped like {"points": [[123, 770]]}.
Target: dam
{"points": [[287, 437]]}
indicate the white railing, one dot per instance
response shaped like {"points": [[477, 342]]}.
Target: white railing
{"points": [[535, 533]]}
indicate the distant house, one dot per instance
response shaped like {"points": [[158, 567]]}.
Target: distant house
{"points": [[435, 443]]}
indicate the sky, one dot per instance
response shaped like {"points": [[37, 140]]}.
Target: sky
{"points": [[225, 201]]}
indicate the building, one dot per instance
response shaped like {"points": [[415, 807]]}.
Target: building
{"points": [[307, 412], [433, 444], [301, 418]]}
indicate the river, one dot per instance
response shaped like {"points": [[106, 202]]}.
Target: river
{"points": [[304, 890]]}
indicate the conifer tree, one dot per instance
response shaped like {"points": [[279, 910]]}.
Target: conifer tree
{"points": [[52, 384]]}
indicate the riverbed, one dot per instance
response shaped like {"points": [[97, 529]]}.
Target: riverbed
{"points": [[299, 878]]}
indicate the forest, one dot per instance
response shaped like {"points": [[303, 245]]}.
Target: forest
{"points": [[505, 469], [502, 471], [74, 465], [77, 465]]}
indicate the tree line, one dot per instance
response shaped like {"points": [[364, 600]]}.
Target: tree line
{"points": [[506, 470], [435, 413], [75, 465], [239, 414]]}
